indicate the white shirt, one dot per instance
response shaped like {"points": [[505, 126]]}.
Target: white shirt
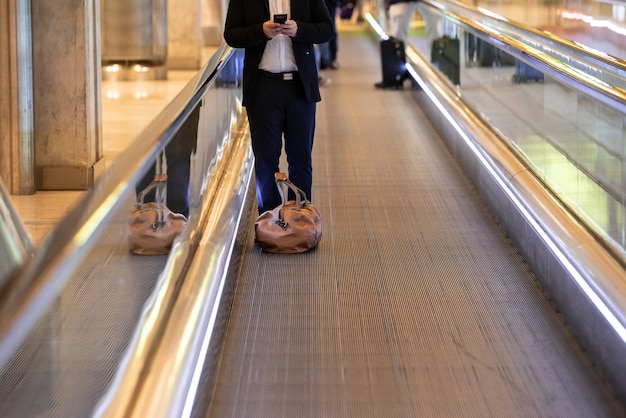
{"points": [[278, 55]]}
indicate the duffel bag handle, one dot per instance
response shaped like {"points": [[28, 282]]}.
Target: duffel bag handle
{"points": [[159, 185], [284, 184]]}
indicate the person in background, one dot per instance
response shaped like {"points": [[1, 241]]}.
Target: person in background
{"points": [[400, 16], [329, 49], [434, 23], [360, 15], [280, 85]]}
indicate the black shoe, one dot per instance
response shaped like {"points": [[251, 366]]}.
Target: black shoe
{"points": [[384, 86]]}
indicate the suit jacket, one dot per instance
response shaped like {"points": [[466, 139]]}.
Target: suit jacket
{"points": [[244, 29]]}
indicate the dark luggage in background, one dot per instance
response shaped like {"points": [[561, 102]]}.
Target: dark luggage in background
{"points": [[345, 12], [231, 74], [486, 54], [506, 59], [393, 63], [489, 55], [525, 73], [445, 55]]}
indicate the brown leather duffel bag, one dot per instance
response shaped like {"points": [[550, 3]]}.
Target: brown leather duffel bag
{"points": [[293, 227]]}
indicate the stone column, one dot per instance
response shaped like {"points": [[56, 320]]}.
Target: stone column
{"points": [[184, 35], [213, 18], [17, 162], [67, 93]]}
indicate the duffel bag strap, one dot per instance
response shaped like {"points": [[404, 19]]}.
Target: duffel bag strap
{"points": [[159, 185]]}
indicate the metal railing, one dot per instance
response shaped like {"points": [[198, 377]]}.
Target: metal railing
{"points": [[191, 283], [579, 110], [16, 248], [517, 162]]}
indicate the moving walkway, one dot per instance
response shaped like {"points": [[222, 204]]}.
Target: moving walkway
{"points": [[416, 302]]}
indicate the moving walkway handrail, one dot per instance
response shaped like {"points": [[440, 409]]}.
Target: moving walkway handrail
{"points": [[31, 291], [557, 44], [571, 73], [594, 292], [545, 51], [584, 279], [176, 337]]}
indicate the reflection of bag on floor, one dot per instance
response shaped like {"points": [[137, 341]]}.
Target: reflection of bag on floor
{"points": [[152, 225], [525, 72], [393, 62], [445, 55], [293, 227]]}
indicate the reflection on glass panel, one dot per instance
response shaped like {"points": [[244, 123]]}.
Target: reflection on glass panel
{"points": [[573, 143]]}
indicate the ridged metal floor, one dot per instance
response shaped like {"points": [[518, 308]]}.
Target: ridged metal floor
{"points": [[414, 304], [69, 359]]}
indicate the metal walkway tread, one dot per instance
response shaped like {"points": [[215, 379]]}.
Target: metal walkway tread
{"points": [[66, 364], [414, 303]]}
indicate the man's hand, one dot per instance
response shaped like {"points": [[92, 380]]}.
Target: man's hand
{"points": [[271, 29], [290, 28]]}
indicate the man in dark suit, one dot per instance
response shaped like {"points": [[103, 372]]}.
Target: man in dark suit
{"points": [[280, 85]]}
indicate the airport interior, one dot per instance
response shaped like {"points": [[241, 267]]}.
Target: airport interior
{"points": [[473, 255]]}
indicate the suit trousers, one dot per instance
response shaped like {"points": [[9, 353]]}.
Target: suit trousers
{"points": [[280, 109], [400, 17]]}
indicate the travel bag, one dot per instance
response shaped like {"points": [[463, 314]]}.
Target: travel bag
{"points": [[346, 10], [490, 55], [393, 62], [295, 226]]}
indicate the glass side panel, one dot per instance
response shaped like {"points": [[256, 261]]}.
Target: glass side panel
{"points": [[570, 141]]}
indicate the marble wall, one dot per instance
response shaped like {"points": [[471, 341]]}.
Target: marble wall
{"points": [[66, 85], [213, 16], [185, 35]]}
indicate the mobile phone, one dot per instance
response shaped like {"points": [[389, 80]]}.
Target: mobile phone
{"points": [[280, 18]]}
